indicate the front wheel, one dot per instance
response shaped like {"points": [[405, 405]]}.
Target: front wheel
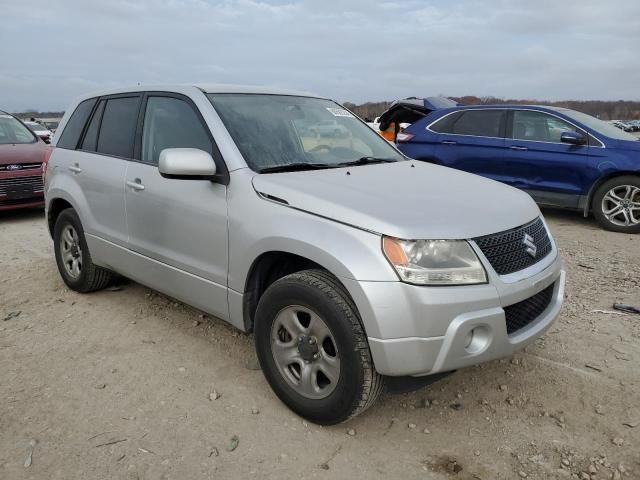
{"points": [[313, 350], [616, 204]]}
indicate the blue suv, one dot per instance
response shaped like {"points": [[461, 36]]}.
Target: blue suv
{"points": [[561, 157]]}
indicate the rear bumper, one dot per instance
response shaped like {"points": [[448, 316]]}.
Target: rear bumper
{"points": [[422, 331]]}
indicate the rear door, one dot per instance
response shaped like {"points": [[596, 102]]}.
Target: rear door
{"points": [[96, 145], [473, 141], [537, 161], [179, 226]]}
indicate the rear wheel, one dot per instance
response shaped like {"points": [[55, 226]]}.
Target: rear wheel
{"points": [[73, 257], [616, 204], [313, 350]]}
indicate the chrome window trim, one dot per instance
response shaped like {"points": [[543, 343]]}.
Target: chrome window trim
{"points": [[602, 145]]}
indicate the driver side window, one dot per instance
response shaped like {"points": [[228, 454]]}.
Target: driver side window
{"points": [[539, 126], [171, 123]]}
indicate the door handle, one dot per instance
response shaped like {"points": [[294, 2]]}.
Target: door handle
{"points": [[75, 168], [136, 184], [517, 147], [449, 142]]}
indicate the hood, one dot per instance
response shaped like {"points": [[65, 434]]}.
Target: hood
{"points": [[22, 153], [632, 145], [407, 199]]}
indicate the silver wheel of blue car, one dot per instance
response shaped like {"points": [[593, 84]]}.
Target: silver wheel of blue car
{"points": [[621, 205], [305, 352]]}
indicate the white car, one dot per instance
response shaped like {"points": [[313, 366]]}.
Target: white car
{"points": [[40, 130]]}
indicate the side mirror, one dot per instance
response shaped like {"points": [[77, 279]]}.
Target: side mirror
{"points": [[573, 138], [186, 164]]}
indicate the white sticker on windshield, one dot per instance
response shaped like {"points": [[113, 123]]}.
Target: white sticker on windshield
{"points": [[5, 116], [340, 112]]}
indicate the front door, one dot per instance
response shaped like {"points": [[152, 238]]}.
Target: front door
{"points": [[178, 227], [538, 162]]}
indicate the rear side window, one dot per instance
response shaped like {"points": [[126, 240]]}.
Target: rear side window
{"points": [[118, 127], [479, 123], [91, 137], [171, 123], [73, 129]]}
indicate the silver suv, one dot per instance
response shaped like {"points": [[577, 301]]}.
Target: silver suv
{"points": [[353, 266]]}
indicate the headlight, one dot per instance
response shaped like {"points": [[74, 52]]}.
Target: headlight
{"points": [[434, 262]]}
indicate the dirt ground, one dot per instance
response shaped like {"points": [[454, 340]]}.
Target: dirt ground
{"points": [[123, 384]]}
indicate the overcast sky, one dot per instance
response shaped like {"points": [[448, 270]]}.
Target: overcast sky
{"points": [[350, 50]]}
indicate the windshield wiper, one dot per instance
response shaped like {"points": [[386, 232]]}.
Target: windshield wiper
{"points": [[367, 161], [294, 167]]}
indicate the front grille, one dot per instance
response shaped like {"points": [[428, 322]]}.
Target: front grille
{"points": [[521, 314], [20, 186], [507, 252], [19, 167]]}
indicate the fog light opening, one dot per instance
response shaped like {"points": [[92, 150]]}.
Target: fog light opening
{"points": [[477, 339]]}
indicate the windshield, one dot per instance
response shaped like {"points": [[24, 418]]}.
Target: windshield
{"points": [[599, 126], [280, 130], [12, 131]]}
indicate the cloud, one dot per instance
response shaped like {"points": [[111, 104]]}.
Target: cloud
{"points": [[354, 50]]}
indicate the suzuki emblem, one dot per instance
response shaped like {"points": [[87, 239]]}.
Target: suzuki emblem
{"points": [[531, 247]]}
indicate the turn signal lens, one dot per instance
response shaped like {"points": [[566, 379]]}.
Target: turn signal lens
{"points": [[434, 262], [394, 251]]}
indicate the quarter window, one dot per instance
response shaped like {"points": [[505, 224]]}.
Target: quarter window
{"points": [[445, 125], [539, 126], [118, 127], [91, 137], [73, 129], [171, 123]]}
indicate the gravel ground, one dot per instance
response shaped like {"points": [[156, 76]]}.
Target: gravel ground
{"points": [[127, 383]]}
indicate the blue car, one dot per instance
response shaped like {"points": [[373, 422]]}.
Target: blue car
{"points": [[561, 157]]}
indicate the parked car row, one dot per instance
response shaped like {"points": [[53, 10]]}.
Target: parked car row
{"points": [[561, 157], [627, 126], [284, 214], [40, 130]]}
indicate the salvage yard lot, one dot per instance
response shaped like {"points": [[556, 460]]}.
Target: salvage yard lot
{"points": [[123, 384]]}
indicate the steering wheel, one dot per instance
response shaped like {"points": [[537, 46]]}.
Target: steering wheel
{"points": [[317, 148]]}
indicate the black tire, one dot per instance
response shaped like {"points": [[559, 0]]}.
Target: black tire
{"points": [[597, 204], [91, 277], [359, 385]]}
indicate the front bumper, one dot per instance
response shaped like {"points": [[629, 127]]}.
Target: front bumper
{"points": [[417, 331]]}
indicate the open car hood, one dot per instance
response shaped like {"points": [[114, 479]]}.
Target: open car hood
{"points": [[411, 109]]}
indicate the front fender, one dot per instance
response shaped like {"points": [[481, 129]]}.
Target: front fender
{"points": [[258, 226]]}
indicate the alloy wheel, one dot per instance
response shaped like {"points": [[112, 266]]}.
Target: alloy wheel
{"points": [[71, 252], [621, 205]]}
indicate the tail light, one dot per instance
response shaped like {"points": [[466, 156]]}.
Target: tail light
{"points": [[404, 137], [45, 162]]}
